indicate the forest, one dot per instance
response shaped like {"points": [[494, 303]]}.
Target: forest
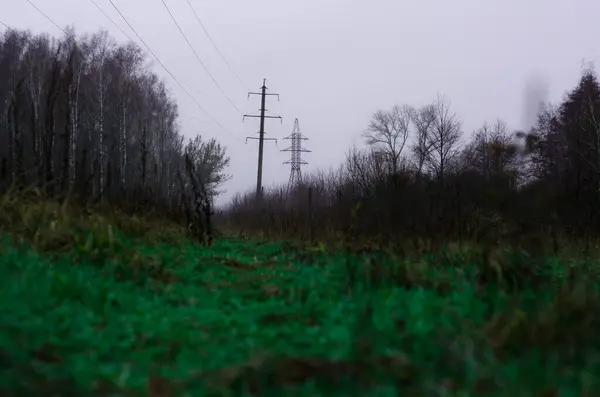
{"points": [[433, 261], [420, 175], [86, 118]]}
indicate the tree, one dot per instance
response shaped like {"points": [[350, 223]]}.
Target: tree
{"points": [[210, 161], [439, 144], [423, 120], [493, 150], [365, 168], [85, 116], [546, 146], [565, 141], [580, 116], [388, 132], [102, 50]]}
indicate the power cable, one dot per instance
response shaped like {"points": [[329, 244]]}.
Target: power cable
{"points": [[111, 20], [151, 52], [171, 74], [215, 46], [46, 16], [198, 57]]}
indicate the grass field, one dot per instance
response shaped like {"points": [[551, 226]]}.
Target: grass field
{"points": [[89, 309]]}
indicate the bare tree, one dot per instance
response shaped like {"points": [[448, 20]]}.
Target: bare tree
{"points": [[365, 168], [84, 114], [442, 140], [423, 120], [590, 125], [493, 150], [388, 132]]}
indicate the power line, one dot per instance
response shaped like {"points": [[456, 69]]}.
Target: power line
{"points": [[189, 116], [171, 74], [198, 57], [151, 52], [214, 45], [46, 16], [111, 20], [70, 36], [8, 27]]}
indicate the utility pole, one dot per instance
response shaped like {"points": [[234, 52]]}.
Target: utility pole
{"points": [[261, 138], [296, 157]]}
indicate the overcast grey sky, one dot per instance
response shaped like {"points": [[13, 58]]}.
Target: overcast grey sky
{"points": [[334, 62]]}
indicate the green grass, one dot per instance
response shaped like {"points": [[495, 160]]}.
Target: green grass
{"points": [[112, 313]]}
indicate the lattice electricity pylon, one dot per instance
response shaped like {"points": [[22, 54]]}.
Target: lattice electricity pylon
{"points": [[296, 159]]}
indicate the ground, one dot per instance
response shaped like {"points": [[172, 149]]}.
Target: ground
{"points": [[100, 310]]}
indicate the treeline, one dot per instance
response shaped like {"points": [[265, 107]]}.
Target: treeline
{"points": [[420, 176], [86, 118]]}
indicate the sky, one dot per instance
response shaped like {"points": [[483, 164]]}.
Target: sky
{"points": [[335, 62]]}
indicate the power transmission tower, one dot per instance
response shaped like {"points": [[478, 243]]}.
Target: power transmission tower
{"points": [[296, 157], [261, 138]]}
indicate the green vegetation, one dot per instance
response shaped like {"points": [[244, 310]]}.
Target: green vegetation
{"points": [[112, 305]]}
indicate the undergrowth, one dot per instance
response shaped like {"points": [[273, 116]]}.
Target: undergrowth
{"points": [[117, 305]]}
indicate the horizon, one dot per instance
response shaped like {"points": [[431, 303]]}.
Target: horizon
{"points": [[333, 69]]}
